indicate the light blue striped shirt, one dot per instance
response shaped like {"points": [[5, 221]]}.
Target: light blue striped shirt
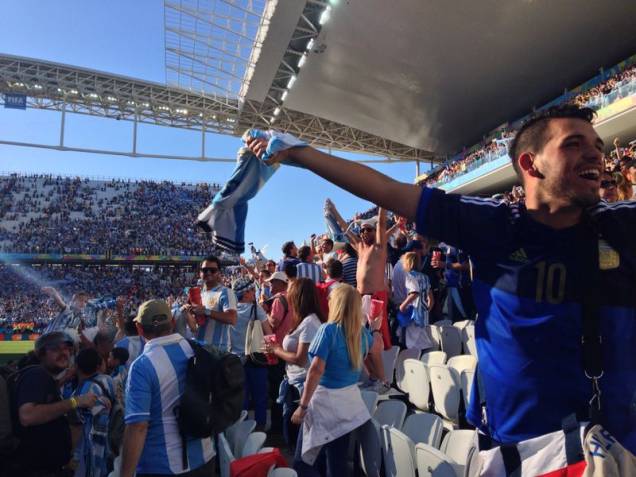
{"points": [[214, 332], [155, 384], [134, 345], [309, 270]]}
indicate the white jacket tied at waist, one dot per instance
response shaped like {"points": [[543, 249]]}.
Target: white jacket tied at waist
{"points": [[331, 414]]}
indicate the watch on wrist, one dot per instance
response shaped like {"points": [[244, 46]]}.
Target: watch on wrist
{"points": [[304, 408]]}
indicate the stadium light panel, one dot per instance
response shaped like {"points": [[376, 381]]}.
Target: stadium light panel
{"points": [[310, 44], [302, 60], [291, 81], [324, 17], [276, 111], [284, 95]]}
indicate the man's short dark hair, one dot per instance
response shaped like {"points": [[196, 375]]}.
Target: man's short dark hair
{"points": [[121, 355], [102, 338], [290, 270], [212, 258], [287, 248], [328, 240], [304, 252], [88, 360], [334, 268], [155, 331], [532, 135]]}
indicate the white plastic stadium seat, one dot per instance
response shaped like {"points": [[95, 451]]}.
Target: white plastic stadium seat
{"points": [[370, 398], [433, 357], [417, 383], [239, 435], [225, 456], [451, 339], [229, 432], [369, 439], [432, 462], [253, 444], [403, 451], [468, 340], [389, 357], [282, 472], [435, 336], [424, 427], [390, 413], [466, 380], [411, 353], [446, 391], [457, 445], [462, 362], [463, 324]]}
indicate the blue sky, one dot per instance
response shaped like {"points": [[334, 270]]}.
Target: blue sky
{"points": [[126, 37]]}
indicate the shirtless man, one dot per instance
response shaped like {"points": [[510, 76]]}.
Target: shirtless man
{"points": [[371, 247]]}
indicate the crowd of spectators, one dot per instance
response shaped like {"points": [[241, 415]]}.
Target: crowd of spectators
{"points": [[617, 86], [25, 308], [48, 214]]}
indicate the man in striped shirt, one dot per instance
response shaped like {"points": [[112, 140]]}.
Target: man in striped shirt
{"points": [[218, 305], [307, 268], [152, 442]]}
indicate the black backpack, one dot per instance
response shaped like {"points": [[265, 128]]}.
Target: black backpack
{"points": [[212, 399]]}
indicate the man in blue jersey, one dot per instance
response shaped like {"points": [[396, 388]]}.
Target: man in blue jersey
{"points": [[532, 267], [152, 442], [218, 306]]}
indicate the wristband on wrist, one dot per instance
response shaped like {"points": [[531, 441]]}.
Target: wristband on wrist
{"points": [[376, 331], [74, 402], [304, 408]]}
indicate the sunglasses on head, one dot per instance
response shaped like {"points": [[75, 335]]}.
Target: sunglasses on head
{"points": [[209, 269], [606, 184]]}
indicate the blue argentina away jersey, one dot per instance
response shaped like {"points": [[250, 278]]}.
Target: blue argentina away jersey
{"points": [[528, 286]]}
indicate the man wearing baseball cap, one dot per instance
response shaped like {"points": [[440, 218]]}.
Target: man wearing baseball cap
{"points": [[42, 427], [152, 443], [255, 373]]}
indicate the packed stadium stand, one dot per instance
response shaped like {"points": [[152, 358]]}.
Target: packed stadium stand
{"points": [[612, 94]]}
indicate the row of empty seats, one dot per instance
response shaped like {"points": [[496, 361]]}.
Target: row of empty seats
{"points": [[399, 443]]}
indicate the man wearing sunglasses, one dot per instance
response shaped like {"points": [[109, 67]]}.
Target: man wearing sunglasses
{"points": [[218, 306], [608, 190]]}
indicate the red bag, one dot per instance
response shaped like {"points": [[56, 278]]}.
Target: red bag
{"points": [[257, 465]]}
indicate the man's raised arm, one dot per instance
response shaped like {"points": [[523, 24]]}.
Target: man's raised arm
{"points": [[356, 178]]}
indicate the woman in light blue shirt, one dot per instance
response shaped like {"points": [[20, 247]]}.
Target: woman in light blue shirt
{"points": [[331, 405]]}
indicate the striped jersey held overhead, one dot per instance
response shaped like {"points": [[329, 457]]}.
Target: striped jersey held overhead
{"points": [[154, 389]]}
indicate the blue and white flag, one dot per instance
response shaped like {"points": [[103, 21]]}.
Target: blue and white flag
{"points": [[225, 218]]}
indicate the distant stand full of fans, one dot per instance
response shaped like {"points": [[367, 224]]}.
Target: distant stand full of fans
{"points": [[49, 214]]}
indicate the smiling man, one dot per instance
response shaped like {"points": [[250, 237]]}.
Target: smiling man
{"points": [[218, 306], [541, 271]]}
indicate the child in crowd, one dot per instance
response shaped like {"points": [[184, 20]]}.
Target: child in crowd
{"points": [[92, 450], [117, 359]]}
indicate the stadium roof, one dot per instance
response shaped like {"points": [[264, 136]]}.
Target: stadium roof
{"points": [[423, 74], [402, 79]]}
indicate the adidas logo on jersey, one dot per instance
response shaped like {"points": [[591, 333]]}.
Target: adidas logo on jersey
{"points": [[519, 256]]}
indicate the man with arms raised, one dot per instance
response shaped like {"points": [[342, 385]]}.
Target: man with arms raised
{"points": [[535, 268]]}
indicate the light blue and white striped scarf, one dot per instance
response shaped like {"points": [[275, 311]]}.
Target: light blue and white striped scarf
{"points": [[225, 218]]}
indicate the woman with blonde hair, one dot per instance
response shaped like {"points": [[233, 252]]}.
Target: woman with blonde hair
{"points": [[331, 406], [307, 318]]}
